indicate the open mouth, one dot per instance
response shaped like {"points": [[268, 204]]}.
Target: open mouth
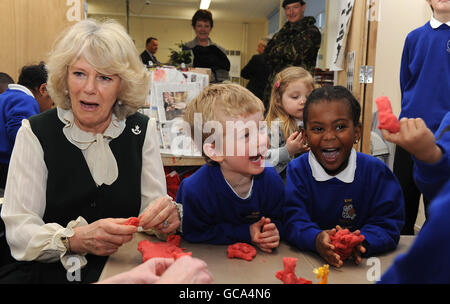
{"points": [[89, 106], [256, 159], [330, 155]]}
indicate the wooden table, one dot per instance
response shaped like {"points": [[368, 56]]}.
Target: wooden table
{"points": [[262, 269]]}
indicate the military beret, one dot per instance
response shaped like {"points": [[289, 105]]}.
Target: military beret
{"points": [[286, 2]]}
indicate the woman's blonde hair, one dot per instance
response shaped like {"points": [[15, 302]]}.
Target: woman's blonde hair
{"points": [[280, 83], [111, 51]]}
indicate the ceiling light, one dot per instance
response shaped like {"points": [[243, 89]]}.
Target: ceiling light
{"points": [[204, 4]]}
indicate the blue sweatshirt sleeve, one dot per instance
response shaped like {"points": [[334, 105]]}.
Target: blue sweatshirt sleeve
{"points": [[200, 223], [298, 227], [405, 73], [430, 178], [274, 201], [427, 261], [18, 109], [385, 218]]}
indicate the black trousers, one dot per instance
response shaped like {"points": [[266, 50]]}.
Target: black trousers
{"points": [[403, 169]]}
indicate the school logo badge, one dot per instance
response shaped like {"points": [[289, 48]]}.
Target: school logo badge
{"points": [[348, 211], [448, 46]]}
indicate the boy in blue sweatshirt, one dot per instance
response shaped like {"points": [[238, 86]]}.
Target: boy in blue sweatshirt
{"points": [[333, 186], [427, 260], [26, 98], [234, 197], [424, 78]]}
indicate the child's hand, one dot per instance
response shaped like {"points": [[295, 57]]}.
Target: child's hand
{"points": [[325, 248], [358, 250], [417, 139], [296, 143], [265, 235]]}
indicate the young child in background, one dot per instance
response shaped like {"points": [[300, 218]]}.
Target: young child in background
{"points": [[424, 71], [334, 186], [285, 116], [426, 262], [233, 198]]}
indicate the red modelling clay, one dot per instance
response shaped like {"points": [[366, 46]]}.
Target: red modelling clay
{"points": [[174, 239], [167, 249], [387, 120], [344, 241], [242, 251], [287, 275], [132, 221]]}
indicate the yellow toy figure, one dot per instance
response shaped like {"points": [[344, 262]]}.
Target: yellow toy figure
{"points": [[322, 273]]}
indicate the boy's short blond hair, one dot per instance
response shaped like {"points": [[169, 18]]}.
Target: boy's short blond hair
{"points": [[218, 101]]}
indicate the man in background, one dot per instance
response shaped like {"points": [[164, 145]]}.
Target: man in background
{"points": [[27, 98], [151, 47], [257, 71]]}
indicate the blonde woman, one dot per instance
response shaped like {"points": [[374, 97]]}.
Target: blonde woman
{"points": [[285, 116], [80, 170]]}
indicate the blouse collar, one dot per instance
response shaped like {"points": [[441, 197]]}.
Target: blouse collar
{"points": [[95, 147]]}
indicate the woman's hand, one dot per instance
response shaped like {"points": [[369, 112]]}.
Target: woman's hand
{"points": [[146, 273], [186, 270], [102, 237], [326, 249], [161, 214], [296, 143]]}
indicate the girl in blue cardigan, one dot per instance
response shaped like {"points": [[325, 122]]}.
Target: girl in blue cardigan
{"points": [[333, 186]]}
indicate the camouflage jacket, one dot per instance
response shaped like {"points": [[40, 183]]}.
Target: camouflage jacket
{"points": [[295, 44]]}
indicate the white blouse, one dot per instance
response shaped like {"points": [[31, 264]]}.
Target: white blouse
{"points": [[25, 195]]}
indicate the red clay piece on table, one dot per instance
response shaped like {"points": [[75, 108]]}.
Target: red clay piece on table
{"points": [[287, 275], [174, 239], [132, 221], [344, 241], [387, 120], [242, 251], [167, 249]]}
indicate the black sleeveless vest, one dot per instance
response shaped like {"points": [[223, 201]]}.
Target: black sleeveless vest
{"points": [[72, 192]]}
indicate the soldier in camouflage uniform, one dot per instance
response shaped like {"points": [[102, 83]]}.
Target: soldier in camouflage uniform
{"points": [[296, 44]]}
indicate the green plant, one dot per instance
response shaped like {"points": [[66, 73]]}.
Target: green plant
{"points": [[178, 57]]}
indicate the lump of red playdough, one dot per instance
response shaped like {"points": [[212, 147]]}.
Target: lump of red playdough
{"points": [[344, 241], [242, 251], [132, 221], [169, 249], [387, 120], [287, 275]]}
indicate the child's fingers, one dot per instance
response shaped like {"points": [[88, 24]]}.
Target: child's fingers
{"points": [[420, 123], [333, 258], [268, 247], [268, 239], [293, 136], [269, 227], [268, 250]]}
